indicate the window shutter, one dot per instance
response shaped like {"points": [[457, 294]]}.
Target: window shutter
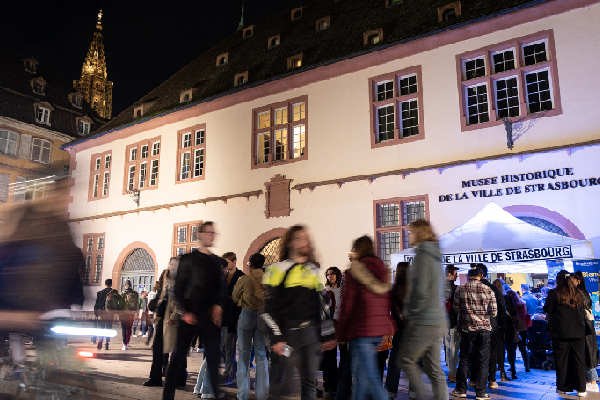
{"points": [[3, 187], [277, 197], [25, 147]]}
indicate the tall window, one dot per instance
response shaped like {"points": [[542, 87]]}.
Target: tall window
{"points": [[8, 142], [397, 107], [191, 153], [185, 237], [279, 132], [142, 161], [40, 150], [42, 115], [392, 218], [100, 175], [83, 126], [511, 79], [93, 253]]}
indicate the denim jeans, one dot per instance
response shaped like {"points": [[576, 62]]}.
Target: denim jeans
{"points": [[228, 340], [474, 356], [250, 338], [451, 346], [203, 385], [423, 342], [366, 378]]}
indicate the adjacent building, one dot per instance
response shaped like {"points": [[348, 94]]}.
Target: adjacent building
{"points": [[352, 117]]}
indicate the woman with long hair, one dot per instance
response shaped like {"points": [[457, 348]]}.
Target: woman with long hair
{"points": [[365, 317], [565, 308], [329, 365], [520, 322], [397, 296], [425, 313], [591, 345]]}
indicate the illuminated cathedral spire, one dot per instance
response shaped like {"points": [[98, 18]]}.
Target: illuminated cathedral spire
{"points": [[94, 84]]}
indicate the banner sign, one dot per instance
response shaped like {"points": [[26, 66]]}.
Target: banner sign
{"points": [[590, 270], [505, 256], [554, 267]]}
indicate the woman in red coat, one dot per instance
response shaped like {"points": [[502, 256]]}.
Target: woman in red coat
{"points": [[365, 317]]}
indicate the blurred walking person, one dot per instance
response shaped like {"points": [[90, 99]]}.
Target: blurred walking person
{"points": [[160, 357], [104, 317], [425, 313], [131, 305], [452, 336]]}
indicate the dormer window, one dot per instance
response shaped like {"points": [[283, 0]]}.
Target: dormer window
{"points": [[248, 32], [273, 41], [240, 79], [322, 24], [83, 126], [392, 3], [76, 100], [38, 85], [294, 61], [448, 13], [296, 14], [138, 111], [373, 37], [222, 59], [42, 113], [185, 96], [31, 65]]}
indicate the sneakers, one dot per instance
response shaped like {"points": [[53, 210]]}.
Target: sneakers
{"points": [[581, 394], [150, 382], [482, 396], [106, 346], [493, 385], [124, 347], [458, 394]]}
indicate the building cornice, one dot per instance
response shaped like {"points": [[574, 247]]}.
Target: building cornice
{"points": [[30, 129]]}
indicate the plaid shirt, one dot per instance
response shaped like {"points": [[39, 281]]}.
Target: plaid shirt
{"points": [[475, 304]]}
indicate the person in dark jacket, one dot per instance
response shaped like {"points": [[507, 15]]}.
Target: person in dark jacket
{"points": [[452, 337], [104, 317], [397, 296], [517, 309], [199, 295], [591, 344], [566, 321], [159, 357], [365, 317], [231, 314], [329, 362]]}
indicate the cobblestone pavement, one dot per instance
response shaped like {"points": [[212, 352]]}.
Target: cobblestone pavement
{"points": [[119, 375]]}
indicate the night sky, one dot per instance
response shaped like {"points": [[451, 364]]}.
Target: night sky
{"points": [[145, 41]]}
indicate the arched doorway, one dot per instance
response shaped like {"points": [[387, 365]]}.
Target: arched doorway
{"points": [[139, 268], [267, 244]]}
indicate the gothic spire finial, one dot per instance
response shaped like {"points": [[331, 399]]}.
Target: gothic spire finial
{"points": [[99, 20], [241, 24]]}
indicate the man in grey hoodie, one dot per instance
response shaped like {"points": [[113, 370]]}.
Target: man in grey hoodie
{"points": [[425, 314]]}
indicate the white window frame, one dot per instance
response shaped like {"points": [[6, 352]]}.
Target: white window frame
{"points": [[11, 137], [83, 127], [42, 115], [45, 147]]}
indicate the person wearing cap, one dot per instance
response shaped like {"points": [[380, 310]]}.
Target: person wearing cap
{"points": [[452, 337], [475, 304], [530, 300], [248, 293]]}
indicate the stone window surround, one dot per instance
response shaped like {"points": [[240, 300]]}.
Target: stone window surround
{"points": [[95, 252], [455, 5], [45, 106], [186, 92], [276, 38], [85, 119], [100, 172], [189, 244], [180, 150], [222, 59], [323, 23], [293, 60], [296, 13], [243, 76], [519, 70], [374, 103], [42, 84], [137, 163], [369, 33], [248, 32], [395, 228], [272, 107]]}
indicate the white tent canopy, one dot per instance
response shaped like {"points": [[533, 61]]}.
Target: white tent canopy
{"points": [[505, 243]]}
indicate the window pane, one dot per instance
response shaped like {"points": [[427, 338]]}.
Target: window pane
{"points": [[539, 97], [185, 166], [100, 242], [388, 243], [131, 181], [195, 230], [388, 215], [410, 118], [181, 251], [144, 151], [182, 234], [133, 154], [199, 139], [263, 120], [186, 140], [474, 68], [477, 104], [143, 172], [263, 148], [156, 148], [198, 162], [385, 90], [412, 211], [36, 149], [45, 153], [105, 184], [98, 163], [507, 98], [4, 179], [154, 173], [107, 161], [299, 141], [281, 116], [95, 186], [385, 123], [408, 85], [281, 145], [90, 244], [504, 61], [86, 269], [99, 265], [535, 53], [298, 111]]}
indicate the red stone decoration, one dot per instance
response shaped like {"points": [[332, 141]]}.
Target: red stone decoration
{"points": [[277, 197]]}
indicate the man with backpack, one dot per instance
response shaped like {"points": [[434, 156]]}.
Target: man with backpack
{"points": [[131, 304], [103, 313]]}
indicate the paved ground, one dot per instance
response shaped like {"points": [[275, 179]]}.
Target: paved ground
{"points": [[117, 374]]}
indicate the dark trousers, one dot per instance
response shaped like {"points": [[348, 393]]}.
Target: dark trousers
{"points": [[494, 337], [305, 357], [511, 351], [500, 351], [329, 366], [210, 335], [393, 374], [382, 357], [126, 326], [159, 359], [344, 388], [569, 357], [474, 350], [104, 324]]}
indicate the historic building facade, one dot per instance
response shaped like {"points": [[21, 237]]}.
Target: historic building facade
{"points": [[353, 118]]}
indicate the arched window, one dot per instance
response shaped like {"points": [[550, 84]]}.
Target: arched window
{"points": [[271, 251], [139, 269]]}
